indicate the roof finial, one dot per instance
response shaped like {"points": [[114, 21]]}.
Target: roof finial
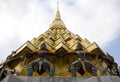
{"points": [[57, 5], [57, 13]]}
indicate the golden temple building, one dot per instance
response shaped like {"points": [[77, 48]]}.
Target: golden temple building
{"points": [[60, 41]]}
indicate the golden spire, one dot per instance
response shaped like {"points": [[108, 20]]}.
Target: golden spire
{"points": [[57, 21], [58, 17]]}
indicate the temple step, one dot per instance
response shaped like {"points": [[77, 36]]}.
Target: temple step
{"points": [[13, 78]]}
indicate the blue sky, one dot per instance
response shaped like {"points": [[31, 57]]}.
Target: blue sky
{"points": [[96, 20], [114, 49]]}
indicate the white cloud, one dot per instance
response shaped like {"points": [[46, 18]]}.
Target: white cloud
{"points": [[21, 20], [94, 18]]}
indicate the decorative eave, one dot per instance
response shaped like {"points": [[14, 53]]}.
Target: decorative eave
{"points": [[28, 45]]}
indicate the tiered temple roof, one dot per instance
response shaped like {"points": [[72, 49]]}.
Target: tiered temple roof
{"points": [[58, 39]]}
